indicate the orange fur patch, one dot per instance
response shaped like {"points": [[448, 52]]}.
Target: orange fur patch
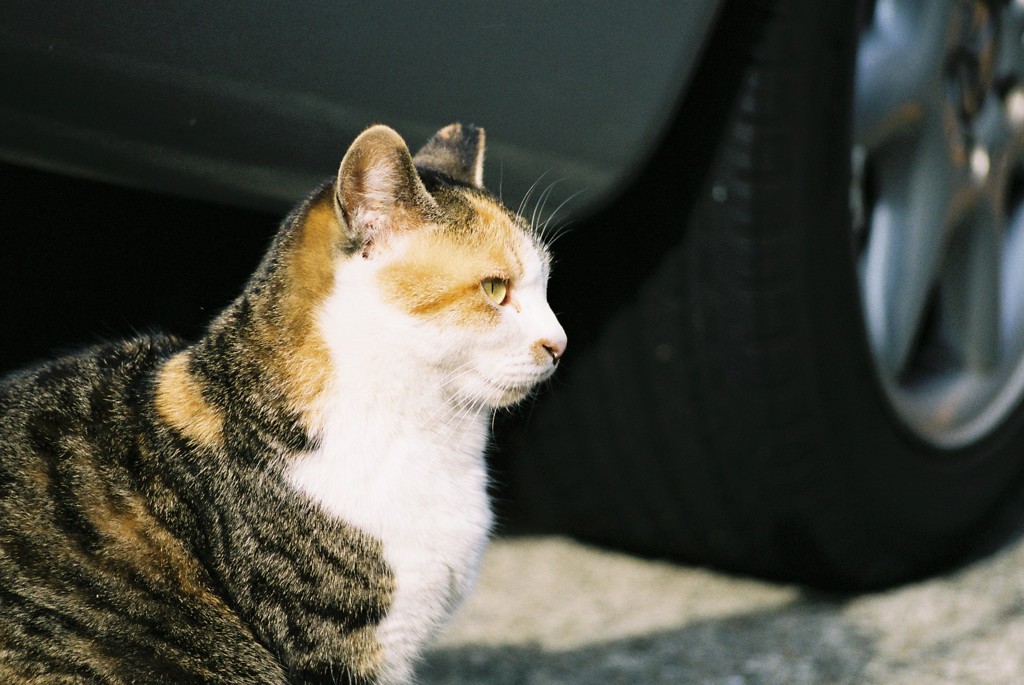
{"points": [[488, 212], [439, 275], [311, 263], [131, 533], [180, 403]]}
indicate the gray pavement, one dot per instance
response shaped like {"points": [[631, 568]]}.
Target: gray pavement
{"points": [[549, 610]]}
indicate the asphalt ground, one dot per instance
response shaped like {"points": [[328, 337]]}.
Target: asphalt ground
{"points": [[550, 610]]}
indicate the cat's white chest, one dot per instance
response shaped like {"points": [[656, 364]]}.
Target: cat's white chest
{"points": [[420, 490]]}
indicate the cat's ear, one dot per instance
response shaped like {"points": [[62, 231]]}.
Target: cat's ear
{"points": [[378, 190], [457, 151]]}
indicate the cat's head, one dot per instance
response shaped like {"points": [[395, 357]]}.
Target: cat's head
{"points": [[438, 274]]}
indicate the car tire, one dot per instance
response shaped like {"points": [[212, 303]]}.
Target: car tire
{"points": [[728, 408]]}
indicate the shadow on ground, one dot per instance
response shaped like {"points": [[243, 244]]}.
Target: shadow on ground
{"points": [[550, 610], [804, 643]]}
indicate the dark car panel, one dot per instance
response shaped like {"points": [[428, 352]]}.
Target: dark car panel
{"points": [[254, 104]]}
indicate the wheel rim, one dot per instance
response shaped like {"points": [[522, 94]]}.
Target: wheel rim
{"points": [[938, 210]]}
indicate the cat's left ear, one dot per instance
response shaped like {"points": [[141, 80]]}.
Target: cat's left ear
{"points": [[457, 151], [378, 191]]}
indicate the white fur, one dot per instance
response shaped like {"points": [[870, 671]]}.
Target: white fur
{"points": [[403, 432]]}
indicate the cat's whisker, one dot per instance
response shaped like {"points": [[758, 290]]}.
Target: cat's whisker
{"points": [[551, 220], [539, 206], [465, 401], [546, 196], [458, 417], [529, 192], [457, 374], [453, 423], [470, 411], [501, 180], [459, 371], [460, 399], [446, 410], [556, 230], [557, 234], [526, 196]]}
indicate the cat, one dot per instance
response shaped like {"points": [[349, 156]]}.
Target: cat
{"points": [[300, 495]]}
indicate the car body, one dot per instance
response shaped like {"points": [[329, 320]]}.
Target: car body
{"points": [[253, 104]]}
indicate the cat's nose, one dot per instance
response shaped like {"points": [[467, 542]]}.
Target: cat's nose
{"points": [[556, 348]]}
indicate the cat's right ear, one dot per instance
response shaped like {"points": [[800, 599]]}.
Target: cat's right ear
{"points": [[378, 191], [457, 150]]}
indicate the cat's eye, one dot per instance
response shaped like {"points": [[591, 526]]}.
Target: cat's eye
{"points": [[496, 289]]}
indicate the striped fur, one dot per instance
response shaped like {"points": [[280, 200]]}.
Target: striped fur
{"points": [[299, 495]]}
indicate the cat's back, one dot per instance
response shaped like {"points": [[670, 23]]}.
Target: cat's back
{"points": [[80, 408], [57, 407], [70, 382], [93, 588]]}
